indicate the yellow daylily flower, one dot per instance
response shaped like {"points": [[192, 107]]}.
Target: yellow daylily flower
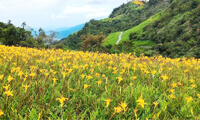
{"points": [[164, 77], [26, 87], [108, 102], [1, 77], [174, 85], [8, 93], [193, 86], [117, 109], [119, 79], [1, 113], [54, 80], [172, 96], [86, 86], [141, 102], [6, 87], [155, 104], [10, 78], [61, 100], [189, 99], [123, 105], [99, 82]]}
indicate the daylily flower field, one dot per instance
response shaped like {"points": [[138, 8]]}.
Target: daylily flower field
{"points": [[56, 84]]}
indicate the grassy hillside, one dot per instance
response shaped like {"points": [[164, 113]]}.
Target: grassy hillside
{"points": [[112, 38], [139, 28]]}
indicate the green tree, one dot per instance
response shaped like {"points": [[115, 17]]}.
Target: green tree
{"points": [[92, 42]]}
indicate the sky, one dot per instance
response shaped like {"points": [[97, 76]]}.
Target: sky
{"points": [[51, 14]]}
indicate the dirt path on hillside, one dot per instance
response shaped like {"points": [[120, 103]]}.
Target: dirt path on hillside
{"points": [[120, 37]]}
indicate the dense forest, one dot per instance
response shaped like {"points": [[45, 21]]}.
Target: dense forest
{"points": [[177, 32]]}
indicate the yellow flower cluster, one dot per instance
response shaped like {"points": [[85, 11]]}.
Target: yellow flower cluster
{"points": [[137, 2], [136, 86], [1, 113]]}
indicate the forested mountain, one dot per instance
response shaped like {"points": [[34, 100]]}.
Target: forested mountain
{"points": [[177, 32], [167, 27], [122, 18]]}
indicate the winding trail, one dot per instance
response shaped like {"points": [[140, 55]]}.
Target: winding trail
{"points": [[120, 37]]}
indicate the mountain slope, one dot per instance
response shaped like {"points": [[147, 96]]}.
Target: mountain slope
{"points": [[122, 18], [177, 32], [112, 38], [167, 27]]}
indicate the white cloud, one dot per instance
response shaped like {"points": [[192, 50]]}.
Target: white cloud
{"points": [[97, 15], [55, 13], [89, 12]]}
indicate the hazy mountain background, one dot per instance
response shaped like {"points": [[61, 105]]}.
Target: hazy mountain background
{"points": [[62, 32]]}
